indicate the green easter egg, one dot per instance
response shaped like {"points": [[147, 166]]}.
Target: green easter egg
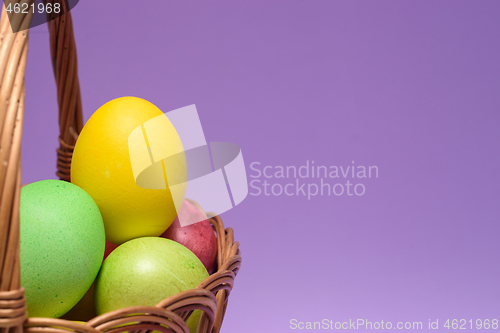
{"points": [[62, 246], [144, 271]]}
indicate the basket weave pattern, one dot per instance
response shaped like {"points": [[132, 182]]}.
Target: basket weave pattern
{"points": [[169, 315]]}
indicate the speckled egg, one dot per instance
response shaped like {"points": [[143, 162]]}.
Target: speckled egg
{"points": [[144, 271], [62, 246]]}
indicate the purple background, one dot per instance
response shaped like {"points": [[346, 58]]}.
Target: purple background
{"points": [[409, 86]]}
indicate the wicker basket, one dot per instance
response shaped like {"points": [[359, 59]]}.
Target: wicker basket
{"points": [[171, 314]]}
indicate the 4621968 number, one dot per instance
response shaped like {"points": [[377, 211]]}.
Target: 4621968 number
{"points": [[25, 8], [463, 324]]}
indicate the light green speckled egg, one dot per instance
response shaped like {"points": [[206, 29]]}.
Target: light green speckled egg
{"points": [[62, 246]]}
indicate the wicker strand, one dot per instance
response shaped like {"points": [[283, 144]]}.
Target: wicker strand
{"points": [[65, 65], [13, 57]]}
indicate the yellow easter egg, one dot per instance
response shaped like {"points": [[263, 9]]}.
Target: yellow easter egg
{"points": [[102, 166]]}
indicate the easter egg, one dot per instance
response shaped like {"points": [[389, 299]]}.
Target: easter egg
{"points": [[101, 165], [61, 246], [198, 237], [145, 271]]}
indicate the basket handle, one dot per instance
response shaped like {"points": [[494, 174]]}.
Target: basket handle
{"points": [[13, 56], [65, 65]]}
